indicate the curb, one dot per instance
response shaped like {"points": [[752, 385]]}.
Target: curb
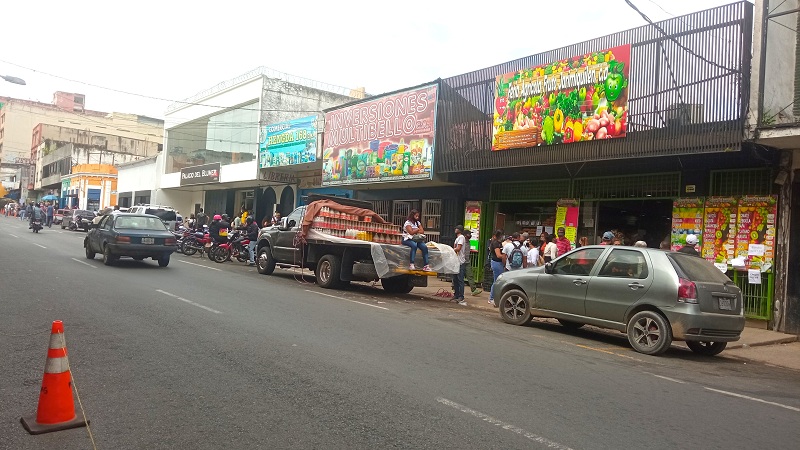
{"points": [[782, 340]]}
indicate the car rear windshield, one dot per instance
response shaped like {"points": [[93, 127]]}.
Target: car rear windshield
{"points": [[698, 269], [140, 223], [163, 214]]}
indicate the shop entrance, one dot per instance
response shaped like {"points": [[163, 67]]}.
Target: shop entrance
{"points": [[525, 217], [635, 220]]}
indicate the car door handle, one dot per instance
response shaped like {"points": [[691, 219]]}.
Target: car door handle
{"points": [[579, 282], [635, 286]]}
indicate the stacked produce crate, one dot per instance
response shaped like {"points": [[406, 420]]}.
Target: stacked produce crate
{"points": [[350, 226]]}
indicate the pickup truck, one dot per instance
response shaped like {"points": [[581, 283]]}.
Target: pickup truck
{"points": [[336, 261]]}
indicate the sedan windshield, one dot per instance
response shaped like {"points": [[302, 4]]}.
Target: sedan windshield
{"points": [[140, 223]]}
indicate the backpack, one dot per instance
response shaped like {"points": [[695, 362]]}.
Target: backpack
{"points": [[516, 256]]}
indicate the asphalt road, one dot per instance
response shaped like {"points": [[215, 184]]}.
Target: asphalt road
{"points": [[206, 356]]}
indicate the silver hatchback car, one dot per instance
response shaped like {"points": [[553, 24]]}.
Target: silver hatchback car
{"points": [[653, 296]]}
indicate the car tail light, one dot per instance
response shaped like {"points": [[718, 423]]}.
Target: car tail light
{"points": [[123, 240], [687, 291], [170, 241]]}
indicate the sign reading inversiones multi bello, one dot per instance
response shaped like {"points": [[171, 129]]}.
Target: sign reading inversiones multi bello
{"points": [[289, 143], [386, 139], [576, 99]]}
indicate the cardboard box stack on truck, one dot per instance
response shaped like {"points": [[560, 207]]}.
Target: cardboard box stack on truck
{"points": [[342, 240]]}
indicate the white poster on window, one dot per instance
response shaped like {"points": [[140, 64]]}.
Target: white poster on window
{"points": [[754, 276]]}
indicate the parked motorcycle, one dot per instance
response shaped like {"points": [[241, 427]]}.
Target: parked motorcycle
{"points": [[36, 225], [236, 247], [197, 242]]}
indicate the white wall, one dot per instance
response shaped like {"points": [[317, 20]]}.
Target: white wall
{"points": [[138, 177], [233, 96]]}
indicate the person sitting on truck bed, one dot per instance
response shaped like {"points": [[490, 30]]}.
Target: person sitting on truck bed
{"points": [[414, 237]]}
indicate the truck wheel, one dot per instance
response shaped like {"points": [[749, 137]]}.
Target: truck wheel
{"points": [[329, 269], [396, 285], [265, 263]]}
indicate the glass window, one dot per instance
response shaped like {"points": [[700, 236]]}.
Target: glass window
{"points": [[140, 223], [625, 264], [579, 262], [106, 222], [296, 216], [698, 269], [229, 137]]}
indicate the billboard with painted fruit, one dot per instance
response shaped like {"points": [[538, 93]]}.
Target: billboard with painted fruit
{"points": [[582, 98], [389, 138]]}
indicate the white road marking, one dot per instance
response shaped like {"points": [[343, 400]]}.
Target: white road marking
{"points": [[84, 262], [200, 265], [189, 301], [39, 245], [733, 394], [347, 299], [668, 378], [503, 425], [13, 235]]}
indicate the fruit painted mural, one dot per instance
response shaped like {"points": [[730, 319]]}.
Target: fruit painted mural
{"points": [[755, 239], [687, 218], [719, 236], [572, 100]]}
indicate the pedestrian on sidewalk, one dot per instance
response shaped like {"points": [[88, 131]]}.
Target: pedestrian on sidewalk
{"points": [[496, 261], [50, 213], [550, 249], [468, 276], [462, 250], [533, 253], [515, 254], [689, 248], [562, 243]]}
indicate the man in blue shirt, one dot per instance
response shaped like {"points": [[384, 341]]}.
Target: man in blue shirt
{"points": [[50, 213]]}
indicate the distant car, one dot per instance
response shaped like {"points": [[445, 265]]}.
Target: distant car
{"points": [[58, 216], [77, 219], [138, 236], [652, 295]]}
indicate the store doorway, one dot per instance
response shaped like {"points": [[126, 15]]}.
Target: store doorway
{"points": [[636, 220], [525, 217]]}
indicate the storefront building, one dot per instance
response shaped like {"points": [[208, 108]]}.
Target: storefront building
{"points": [[639, 133], [213, 143], [384, 149], [90, 186]]}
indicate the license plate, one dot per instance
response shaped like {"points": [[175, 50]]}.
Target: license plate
{"points": [[725, 303], [150, 241]]}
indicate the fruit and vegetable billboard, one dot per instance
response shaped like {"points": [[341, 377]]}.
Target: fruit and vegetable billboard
{"points": [[687, 218], [577, 99], [289, 143], [719, 237], [755, 238], [390, 138]]}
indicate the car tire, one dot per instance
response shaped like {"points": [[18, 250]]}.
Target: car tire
{"points": [[329, 268], [163, 261], [265, 263], [649, 333], [62, 225], [396, 285], [570, 325], [706, 348], [515, 308], [108, 258], [89, 253]]}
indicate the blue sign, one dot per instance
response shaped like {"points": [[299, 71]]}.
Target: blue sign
{"points": [[289, 143]]}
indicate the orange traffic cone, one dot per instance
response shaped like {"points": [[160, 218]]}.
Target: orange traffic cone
{"points": [[56, 409]]}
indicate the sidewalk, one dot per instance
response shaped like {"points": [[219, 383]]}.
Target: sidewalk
{"points": [[756, 344]]}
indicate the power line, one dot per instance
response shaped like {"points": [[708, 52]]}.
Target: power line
{"points": [[672, 38], [159, 98]]}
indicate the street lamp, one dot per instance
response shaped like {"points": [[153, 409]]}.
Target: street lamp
{"points": [[14, 80]]}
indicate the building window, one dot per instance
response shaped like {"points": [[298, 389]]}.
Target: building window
{"points": [[79, 100]]}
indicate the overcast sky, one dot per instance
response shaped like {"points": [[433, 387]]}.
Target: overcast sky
{"points": [[173, 49]]}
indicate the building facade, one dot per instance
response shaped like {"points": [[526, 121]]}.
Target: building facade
{"points": [[91, 187]]}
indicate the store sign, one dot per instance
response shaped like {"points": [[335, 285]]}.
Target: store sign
{"points": [[576, 99], [687, 218], [387, 139], [281, 177], [755, 237], [567, 216], [289, 143], [206, 173]]}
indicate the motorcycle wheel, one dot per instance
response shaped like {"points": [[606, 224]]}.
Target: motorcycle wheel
{"points": [[243, 256], [188, 249], [219, 254]]}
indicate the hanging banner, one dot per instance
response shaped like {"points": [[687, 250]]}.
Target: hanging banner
{"points": [[576, 99], [386, 139], [687, 218], [472, 221], [567, 216], [755, 238], [719, 237], [289, 143]]}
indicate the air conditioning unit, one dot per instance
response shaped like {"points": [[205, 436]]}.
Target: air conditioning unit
{"points": [[681, 114]]}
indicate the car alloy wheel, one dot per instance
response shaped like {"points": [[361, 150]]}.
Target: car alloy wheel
{"points": [[265, 263], [515, 307], [649, 333], [108, 258]]}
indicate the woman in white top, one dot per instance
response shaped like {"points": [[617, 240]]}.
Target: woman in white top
{"points": [[413, 236], [550, 250], [533, 254]]}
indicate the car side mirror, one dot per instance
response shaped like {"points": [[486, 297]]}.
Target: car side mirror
{"points": [[548, 268], [284, 223]]}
